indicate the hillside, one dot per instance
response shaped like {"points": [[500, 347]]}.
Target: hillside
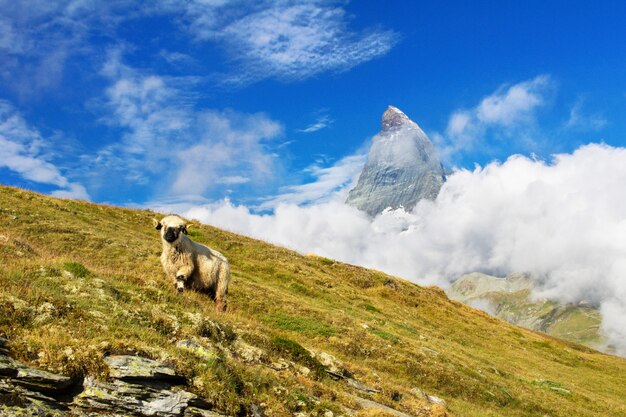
{"points": [[510, 299], [81, 284]]}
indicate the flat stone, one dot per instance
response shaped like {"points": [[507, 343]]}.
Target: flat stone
{"points": [[354, 383], [33, 378], [42, 380], [197, 412], [430, 398], [153, 399], [16, 400], [135, 367], [8, 366], [363, 403]]}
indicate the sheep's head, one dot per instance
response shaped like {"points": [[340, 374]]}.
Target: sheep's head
{"points": [[171, 228]]}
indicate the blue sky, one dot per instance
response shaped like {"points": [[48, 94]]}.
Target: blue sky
{"points": [[137, 103]]}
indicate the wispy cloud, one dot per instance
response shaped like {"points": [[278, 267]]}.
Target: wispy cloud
{"points": [[26, 152], [330, 183], [38, 37], [292, 40], [322, 122], [287, 40], [579, 119], [509, 112]]}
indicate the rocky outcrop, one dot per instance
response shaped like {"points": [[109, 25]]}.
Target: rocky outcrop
{"points": [[136, 386], [402, 167]]}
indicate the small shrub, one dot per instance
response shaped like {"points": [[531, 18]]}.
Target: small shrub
{"points": [[326, 261], [77, 269], [218, 332], [298, 354], [371, 308]]}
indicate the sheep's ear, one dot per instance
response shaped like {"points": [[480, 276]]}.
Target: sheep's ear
{"points": [[157, 224], [187, 226]]}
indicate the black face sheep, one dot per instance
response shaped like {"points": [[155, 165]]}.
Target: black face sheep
{"points": [[190, 264]]}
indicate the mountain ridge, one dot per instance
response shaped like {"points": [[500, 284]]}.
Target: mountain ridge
{"points": [[509, 298]]}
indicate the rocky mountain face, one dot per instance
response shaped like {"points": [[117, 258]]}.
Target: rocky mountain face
{"points": [[510, 299], [402, 167]]}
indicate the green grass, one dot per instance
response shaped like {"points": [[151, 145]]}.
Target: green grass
{"points": [[72, 292], [298, 354], [76, 268], [305, 325]]}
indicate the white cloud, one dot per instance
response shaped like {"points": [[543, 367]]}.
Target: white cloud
{"points": [[169, 143], [331, 183], [508, 112], [564, 222], [512, 105], [23, 151]]}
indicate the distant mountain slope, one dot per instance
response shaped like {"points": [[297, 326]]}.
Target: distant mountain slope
{"points": [[509, 299], [402, 167], [81, 289]]}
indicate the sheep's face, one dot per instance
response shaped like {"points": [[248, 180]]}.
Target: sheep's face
{"points": [[171, 228]]}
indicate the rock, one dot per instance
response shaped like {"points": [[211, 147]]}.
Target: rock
{"points": [[334, 367], [3, 343], [354, 383], [363, 403], [32, 378], [197, 412], [198, 350], [152, 398], [44, 313], [27, 391], [303, 370], [280, 365], [42, 381], [430, 351], [430, 398], [402, 168], [249, 353], [256, 411], [8, 366], [418, 393], [436, 400], [136, 368], [328, 413]]}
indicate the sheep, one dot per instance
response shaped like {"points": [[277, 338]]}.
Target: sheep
{"points": [[190, 264]]}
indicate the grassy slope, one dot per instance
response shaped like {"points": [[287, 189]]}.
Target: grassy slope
{"points": [[390, 333]]}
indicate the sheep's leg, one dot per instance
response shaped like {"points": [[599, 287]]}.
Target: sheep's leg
{"points": [[222, 290], [182, 275]]}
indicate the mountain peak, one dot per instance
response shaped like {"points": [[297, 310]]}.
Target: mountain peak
{"points": [[393, 118], [402, 167]]}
